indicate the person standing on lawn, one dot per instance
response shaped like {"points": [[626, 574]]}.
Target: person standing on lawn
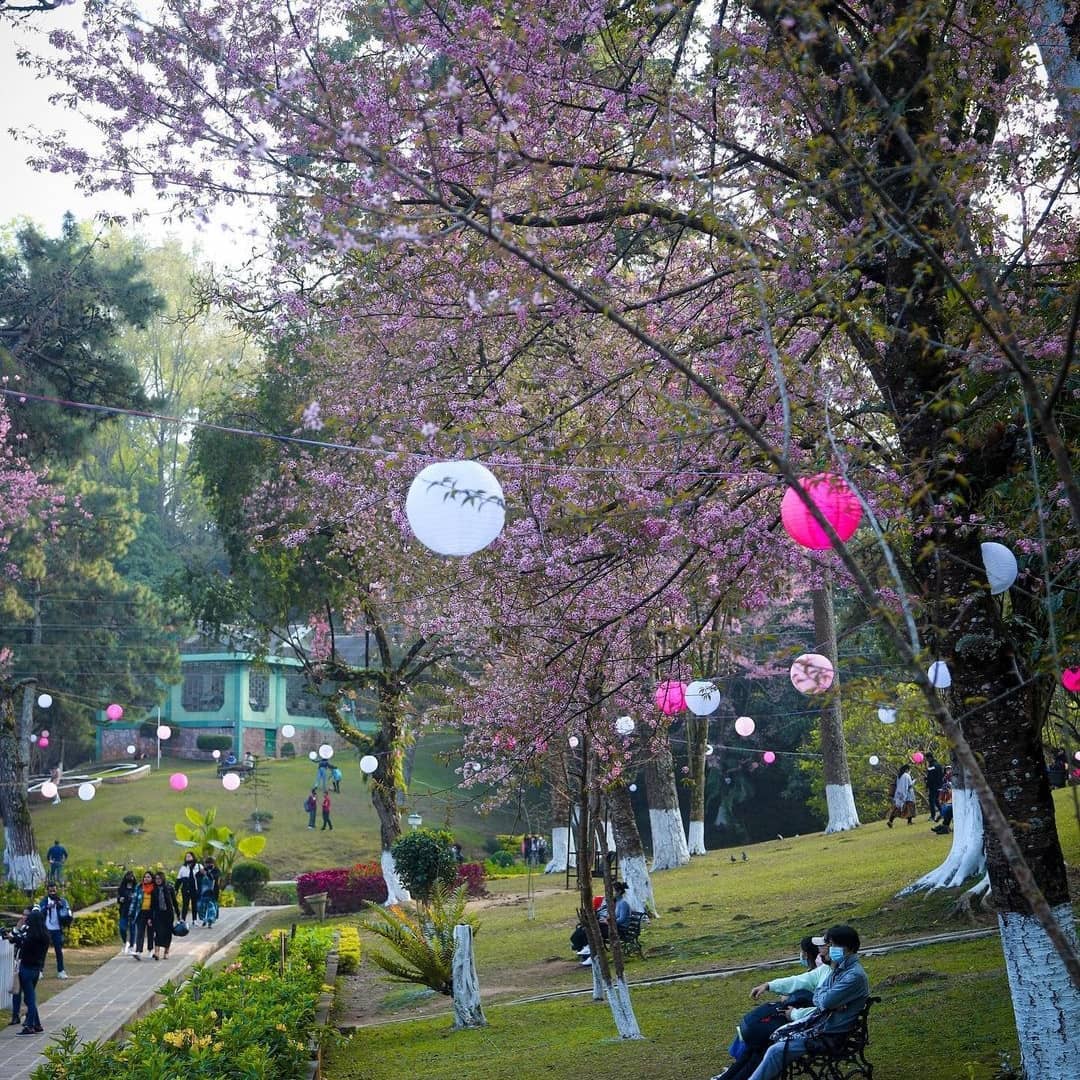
{"points": [[311, 805], [935, 775], [57, 856], [326, 822], [903, 797]]}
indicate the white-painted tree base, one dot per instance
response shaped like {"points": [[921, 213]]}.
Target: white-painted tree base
{"points": [[597, 982], [467, 1010], [618, 995], [696, 842], [639, 891], [842, 813], [966, 857], [560, 850], [26, 871], [668, 839], [1045, 1002], [977, 892], [396, 893]]}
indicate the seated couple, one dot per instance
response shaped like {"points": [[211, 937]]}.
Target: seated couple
{"points": [[579, 939], [772, 1035]]}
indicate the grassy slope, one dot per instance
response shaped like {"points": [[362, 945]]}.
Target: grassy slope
{"points": [[94, 831], [945, 1004]]}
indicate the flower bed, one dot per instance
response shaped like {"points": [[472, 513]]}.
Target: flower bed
{"points": [[247, 1015], [349, 889]]}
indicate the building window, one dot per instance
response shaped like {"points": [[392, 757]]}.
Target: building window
{"points": [[204, 687], [258, 691], [298, 701]]}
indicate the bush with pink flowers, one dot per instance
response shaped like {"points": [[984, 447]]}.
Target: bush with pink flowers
{"points": [[348, 889]]}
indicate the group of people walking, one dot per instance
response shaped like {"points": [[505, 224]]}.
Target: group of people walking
{"points": [[938, 792], [153, 909]]}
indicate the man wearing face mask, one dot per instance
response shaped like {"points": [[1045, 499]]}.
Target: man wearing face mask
{"points": [[837, 1003]]}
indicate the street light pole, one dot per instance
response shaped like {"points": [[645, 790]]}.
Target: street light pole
{"points": [[158, 737]]}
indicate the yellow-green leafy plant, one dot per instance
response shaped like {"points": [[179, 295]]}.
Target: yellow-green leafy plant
{"points": [[424, 943], [348, 950]]}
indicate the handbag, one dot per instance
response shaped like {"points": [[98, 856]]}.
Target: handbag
{"points": [[180, 929]]}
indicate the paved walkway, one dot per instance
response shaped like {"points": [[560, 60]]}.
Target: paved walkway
{"points": [[101, 1005]]}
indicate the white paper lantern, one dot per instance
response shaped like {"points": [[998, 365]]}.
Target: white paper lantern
{"points": [[1001, 568], [164, 732], [49, 789], [44, 700], [633, 787], [313, 755], [215, 754], [939, 675], [455, 507], [476, 766], [886, 714], [874, 759], [326, 751], [288, 731], [230, 781], [369, 763], [702, 698], [87, 792], [131, 748], [624, 725], [573, 741], [708, 749], [744, 726]]}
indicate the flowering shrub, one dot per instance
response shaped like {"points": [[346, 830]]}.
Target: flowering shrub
{"points": [[94, 928], [346, 890], [472, 875], [246, 1015], [348, 950]]}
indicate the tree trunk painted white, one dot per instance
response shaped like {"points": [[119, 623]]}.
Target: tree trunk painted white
{"points": [[560, 850], [597, 981], [21, 859], [966, 856], [668, 839], [467, 1009], [639, 891], [618, 995], [396, 893], [978, 890], [1046, 1004], [842, 812], [696, 843]]}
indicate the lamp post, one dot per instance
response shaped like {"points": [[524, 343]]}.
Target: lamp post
{"points": [[415, 820]]}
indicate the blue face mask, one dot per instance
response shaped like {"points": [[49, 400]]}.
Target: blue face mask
{"points": [[836, 954]]}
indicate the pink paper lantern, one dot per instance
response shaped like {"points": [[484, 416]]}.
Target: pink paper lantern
{"points": [[837, 503], [744, 726], [114, 712], [812, 673], [918, 757], [43, 741], [178, 781], [44, 734], [671, 697], [1070, 679], [768, 757], [230, 781]]}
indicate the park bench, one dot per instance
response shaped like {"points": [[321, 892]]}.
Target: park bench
{"points": [[630, 934], [845, 1055], [242, 770]]}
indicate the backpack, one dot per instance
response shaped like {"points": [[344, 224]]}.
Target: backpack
{"points": [[892, 790]]}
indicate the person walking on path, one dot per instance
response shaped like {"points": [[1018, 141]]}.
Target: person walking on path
{"points": [[934, 778], [903, 797], [142, 913], [187, 884], [311, 805], [32, 953], [165, 913], [57, 856], [326, 822], [57, 915], [209, 884], [335, 776], [124, 894], [10, 943]]}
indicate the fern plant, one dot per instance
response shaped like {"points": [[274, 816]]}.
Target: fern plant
{"points": [[424, 943]]}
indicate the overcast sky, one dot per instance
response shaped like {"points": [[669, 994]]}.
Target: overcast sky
{"points": [[45, 197]]}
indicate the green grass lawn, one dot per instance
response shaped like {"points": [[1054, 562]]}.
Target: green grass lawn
{"points": [[945, 1006], [94, 831]]}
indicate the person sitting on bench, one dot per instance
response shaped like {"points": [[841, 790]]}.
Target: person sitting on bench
{"points": [[579, 940], [837, 1003]]}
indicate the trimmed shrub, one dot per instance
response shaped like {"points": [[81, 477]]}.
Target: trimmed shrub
{"points": [[93, 928], [502, 859], [348, 950], [249, 877], [472, 875], [424, 858], [277, 895], [226, 898], [346, 890], [134, 823], [509, 842], [288, 750], [214, 742]]}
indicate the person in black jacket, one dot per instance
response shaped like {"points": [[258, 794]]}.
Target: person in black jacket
{"points": [[935, 775], [32, 953], [124, 893], [209, 884], [166, 912]]}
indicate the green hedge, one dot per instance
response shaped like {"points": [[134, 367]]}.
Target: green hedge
{"points": [[244, 1015], [94, 928], [214, 742], [348, 950]]}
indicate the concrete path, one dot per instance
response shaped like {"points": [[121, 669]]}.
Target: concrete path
{"points": [[101, 1005]]}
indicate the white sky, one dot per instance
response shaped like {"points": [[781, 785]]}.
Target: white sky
{"points": [[45, 197]]}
